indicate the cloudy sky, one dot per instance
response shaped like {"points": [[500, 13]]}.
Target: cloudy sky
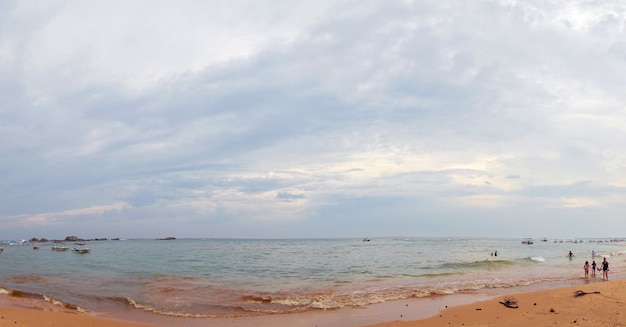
{"points": [[312, 118]]}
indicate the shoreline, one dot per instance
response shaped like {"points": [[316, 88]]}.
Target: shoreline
{"points": [[538, 305]]}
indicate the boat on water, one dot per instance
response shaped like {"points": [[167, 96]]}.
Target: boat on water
{"points": [[83, 250], [59, 248], [527, 240]]}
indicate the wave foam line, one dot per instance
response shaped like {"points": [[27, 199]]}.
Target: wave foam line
{"points": [[148, 308], [65, 305], [30, 295]]}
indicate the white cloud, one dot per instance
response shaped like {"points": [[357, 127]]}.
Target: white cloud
{"points": [[138, 45], [578, 202], [52, 218]]}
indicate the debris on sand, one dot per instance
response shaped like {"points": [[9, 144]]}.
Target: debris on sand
{"points": [[509, 302], [581, 293]]}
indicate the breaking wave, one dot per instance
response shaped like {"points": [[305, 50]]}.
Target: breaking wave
{"points": [[486, 264], [30, 295]]}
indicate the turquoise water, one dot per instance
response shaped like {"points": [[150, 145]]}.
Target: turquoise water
{"points": [[215, 278]]}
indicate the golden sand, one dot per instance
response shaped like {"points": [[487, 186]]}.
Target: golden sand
{"points": [[594, 304]]}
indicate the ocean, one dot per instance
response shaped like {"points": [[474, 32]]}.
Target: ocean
{"points": [[237, 278]]}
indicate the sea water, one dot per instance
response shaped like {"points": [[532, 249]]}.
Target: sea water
{"points": [[225, 278]]}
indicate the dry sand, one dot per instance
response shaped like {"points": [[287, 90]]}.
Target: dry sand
{"points": [[601, 306], [19, 317], [558, 307]]}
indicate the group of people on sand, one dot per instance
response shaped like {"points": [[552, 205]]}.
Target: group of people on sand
{"points": [[604, 267]]}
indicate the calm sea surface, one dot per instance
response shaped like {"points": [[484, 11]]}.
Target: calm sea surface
{"points": [[219, 278]]}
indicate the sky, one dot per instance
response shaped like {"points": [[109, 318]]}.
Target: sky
{"points": [[309, 119]]}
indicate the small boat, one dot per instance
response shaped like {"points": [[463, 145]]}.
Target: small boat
{"points": [[527, 240], [59, 248], [1, 249], [35, 247], [83, 250]]}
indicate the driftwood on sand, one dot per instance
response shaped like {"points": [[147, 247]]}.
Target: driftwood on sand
{"points": [[509, 302], [581, 293]]}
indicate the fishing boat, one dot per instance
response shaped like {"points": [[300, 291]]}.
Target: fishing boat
{"points": [[83, 250], [527, 240]]}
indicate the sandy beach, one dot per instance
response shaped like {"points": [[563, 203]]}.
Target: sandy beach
{"points": [[599, 304], [596, 303], [10, 316]]}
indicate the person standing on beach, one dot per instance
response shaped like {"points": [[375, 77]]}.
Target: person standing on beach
{"points": [[605, 269], [586, 267], [593, 269]]}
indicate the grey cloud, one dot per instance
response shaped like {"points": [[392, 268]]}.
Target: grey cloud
{"points": [[287, 196], [361, 107]]}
